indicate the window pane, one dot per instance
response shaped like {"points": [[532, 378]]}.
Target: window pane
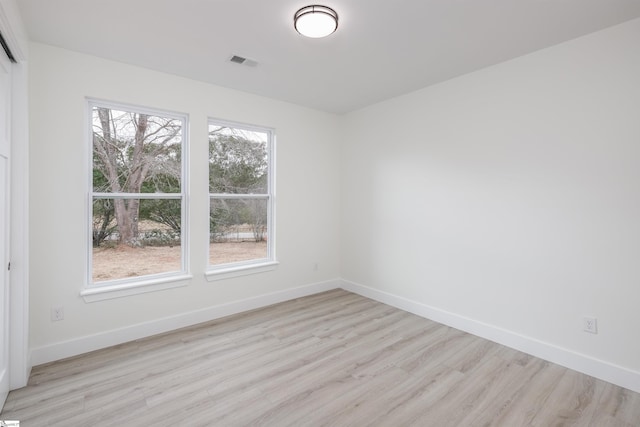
{"points": [[135, 152], [238, 161], [238, 230], [153, 238]]}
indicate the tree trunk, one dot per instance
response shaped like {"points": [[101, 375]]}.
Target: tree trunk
{"points": [[126, 212]]}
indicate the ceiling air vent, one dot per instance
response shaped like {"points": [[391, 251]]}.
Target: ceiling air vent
{"points": [[243, 61]]}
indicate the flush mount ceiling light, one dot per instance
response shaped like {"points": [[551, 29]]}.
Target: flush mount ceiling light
{"points": [[315, 21]]}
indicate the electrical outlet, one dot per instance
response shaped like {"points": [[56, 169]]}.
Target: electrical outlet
{"points": [[590, 324], [57, 313]]}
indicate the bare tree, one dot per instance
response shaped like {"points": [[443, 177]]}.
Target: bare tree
{"points": [[132, 150]]}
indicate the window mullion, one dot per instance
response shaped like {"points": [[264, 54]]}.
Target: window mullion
{"points": [[147, 196], [238, 196]]}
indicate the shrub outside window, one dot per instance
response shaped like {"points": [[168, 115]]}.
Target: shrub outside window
{"points": [[241, 201], [138, 194]]}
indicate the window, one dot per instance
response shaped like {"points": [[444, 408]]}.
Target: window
{"points": [[138, 196], [240, 198]]}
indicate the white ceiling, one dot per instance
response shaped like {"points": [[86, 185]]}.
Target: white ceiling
{"points": [[383, 48]]}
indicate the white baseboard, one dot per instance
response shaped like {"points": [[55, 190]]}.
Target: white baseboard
{"points": [[579, 362], [61, 350], [576, 361]]}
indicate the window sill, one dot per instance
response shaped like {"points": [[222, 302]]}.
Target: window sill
{"points": [[101, 293], [240, 270]]}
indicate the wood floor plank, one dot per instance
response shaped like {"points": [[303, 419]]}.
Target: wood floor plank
{"points": [[426, 395], [575, 399], [499, 400], [330, 359], [617, 406]]}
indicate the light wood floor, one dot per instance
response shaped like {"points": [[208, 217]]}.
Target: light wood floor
{"points": [[334, 359]]}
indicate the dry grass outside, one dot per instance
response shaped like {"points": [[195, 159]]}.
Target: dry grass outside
{"points": [[123, 261]]}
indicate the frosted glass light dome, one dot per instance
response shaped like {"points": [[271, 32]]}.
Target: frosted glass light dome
{"points": [[315, 21]]}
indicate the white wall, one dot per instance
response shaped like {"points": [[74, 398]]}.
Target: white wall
{"points": [[509, 197], [307, 195]]}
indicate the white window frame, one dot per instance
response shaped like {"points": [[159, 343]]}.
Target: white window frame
{"points": [[258, 265], [152, 282]]}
